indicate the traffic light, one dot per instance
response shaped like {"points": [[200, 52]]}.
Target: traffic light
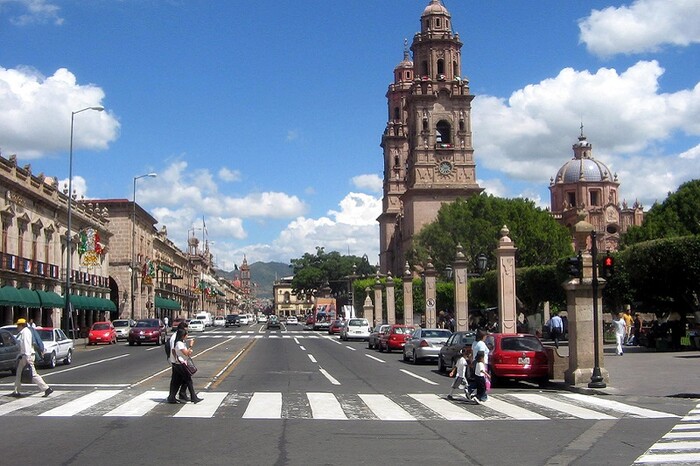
{"points": [[574, 266], [607, 267]]}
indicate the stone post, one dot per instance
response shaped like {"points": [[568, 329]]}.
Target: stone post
{"points": [[378, 308], [505, 259], [430, 304], [390, 300], [579, 306], [407, 295], [368, 307], [459, 268]]}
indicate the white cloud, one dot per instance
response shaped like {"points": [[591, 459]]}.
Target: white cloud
{"points": [[358, 209], [693, 153], [79, 187], [226, 174], [369, 182], [34, 11], [644, 26], [36, 105], [494, 187]]}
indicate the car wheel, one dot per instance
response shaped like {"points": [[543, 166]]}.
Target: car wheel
{"points": [[380, 347], [69, 357], [414, 360], [131, 343], [441, 365], [405, 356], [52, 360]]}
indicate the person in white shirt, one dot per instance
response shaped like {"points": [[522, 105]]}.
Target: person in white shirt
{"points": [[177, 382], [26, 347], [620, 332], [480, 345], [460, 373], [184, 351]]}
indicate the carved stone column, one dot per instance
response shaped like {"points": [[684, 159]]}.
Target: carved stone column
{"points": [[368, 307], [459, 268], [505, 259], [390, 300], [430, 294], [378, 307], [407, 295]]}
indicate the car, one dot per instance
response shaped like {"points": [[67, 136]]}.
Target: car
{"points": [[122, 327], [147, 331], [57, 346], [243, 319], [102, 332], [231, 320], [355, 329], [273, 322], [292, 320], [9, 351], [219, 321], [373, 339], [262, 319], [449, 353], [395, 337], [335, 327], [196, 325], [310, 323], [425, 343], [517, 356]]}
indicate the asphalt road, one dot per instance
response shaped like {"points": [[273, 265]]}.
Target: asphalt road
{"points": [[303, 398]]}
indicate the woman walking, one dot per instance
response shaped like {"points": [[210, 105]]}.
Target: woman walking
{"points": [[182, 352]]}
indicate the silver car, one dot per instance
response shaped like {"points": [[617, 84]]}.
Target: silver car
{"points": [[425, 343], [122, 326]]}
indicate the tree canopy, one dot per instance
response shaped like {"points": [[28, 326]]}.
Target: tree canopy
{"points": [[476, 224]]}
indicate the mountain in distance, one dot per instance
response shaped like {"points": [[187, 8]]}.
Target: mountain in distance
{"points": [[263, 274]]}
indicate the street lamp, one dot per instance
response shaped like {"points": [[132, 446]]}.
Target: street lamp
{"points": [[133, 241], [481, 262], [67, 308]]}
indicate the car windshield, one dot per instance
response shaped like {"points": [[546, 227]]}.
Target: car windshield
{"points": [[521, 344], [435, 334], [100, 326], [404, 330], [195, 322], [120, 323], [46, 335], [357, 323], [146, 323]]}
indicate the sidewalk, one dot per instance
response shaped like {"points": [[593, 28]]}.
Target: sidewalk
{"points": [[645, 372]]}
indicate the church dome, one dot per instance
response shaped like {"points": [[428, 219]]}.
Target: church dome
{"points": [[583, 167], [435, 7]]}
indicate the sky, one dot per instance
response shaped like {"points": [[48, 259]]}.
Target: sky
{"points": [[263, 119]]}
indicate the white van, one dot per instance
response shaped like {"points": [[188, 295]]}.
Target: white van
{"points": [[244, 319], [206, 318]]}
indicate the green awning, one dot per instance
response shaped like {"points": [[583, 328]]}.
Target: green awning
{"points": [[9, 296], [165, 268], [50, 299], [78, 302], [92, 303], [30, 298], [165, 303]]}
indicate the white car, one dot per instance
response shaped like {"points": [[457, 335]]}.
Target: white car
{"points": [[122, 327], [57, 346], [355, 329], [196, 326], [262, 319], [244, 319], [291, 320], [219, 321]]}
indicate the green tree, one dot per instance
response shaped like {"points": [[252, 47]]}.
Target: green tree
{"points": [[678, 215]]}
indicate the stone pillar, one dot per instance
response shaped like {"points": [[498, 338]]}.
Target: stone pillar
{"points": [[368, 307], [390, 300], [378, 307], [459, 268], [407, 295], [505, 259], [430, 310], [579, 306]]}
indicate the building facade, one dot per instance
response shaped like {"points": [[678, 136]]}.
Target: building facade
{"points": [[286, 303], [427, 143]]}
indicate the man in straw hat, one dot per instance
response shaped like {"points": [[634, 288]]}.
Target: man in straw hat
{"points": [[26, 347]]}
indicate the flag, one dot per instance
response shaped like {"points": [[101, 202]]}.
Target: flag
{"points": [[235, 267]]}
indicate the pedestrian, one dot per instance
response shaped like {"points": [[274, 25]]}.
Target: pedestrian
{"points": [[556, 329], [480, 345], [182, 352], [628, 325], [26, 346], [636, 329], [620, 332], [177, 382], [481, 375], [31, 323], [165, 321], [460, 372]]}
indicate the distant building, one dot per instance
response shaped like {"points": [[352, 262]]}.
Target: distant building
{"points": [[586, 186], [286, 303]]}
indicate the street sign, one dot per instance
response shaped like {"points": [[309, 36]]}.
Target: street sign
{"points": [[430, 302]]}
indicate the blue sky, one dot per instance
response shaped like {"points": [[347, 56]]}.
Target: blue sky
{"points": [[265, 118]]}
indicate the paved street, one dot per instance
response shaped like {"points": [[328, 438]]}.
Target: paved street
{"points": [[302, 397]]}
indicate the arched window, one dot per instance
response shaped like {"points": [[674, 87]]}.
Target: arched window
{"points": [[443, 132], [441, 66], [397, 113]]}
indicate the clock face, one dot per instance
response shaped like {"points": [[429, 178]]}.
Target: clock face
{"points": [[445, 168]]}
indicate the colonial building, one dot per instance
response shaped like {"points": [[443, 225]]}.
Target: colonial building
{"points": [[427, 142], [585, 188], [286, 303]]}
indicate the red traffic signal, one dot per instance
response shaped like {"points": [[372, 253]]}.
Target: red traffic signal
{"points": [[608, 267]]}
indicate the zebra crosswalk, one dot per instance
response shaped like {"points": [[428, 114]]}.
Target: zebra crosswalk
{"points": [[250, 334], [680, 446], [327, 406]]}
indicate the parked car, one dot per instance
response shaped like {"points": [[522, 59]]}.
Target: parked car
{"points": [[517, 356], [122, 327], [425, 343], [292, 320], [395, 337], [196, 325], [355, 329], [9, 351], [102, 332], [231, 320], [147, 331], [243, 319], [262, 318], [219, 321], [375, 335], [273, 322], [335, 327], [449, 353], [57, 346]]}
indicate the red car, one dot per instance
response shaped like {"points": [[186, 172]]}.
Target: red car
{"points": [[517, 356], [147, 331], [335, 327], [102, 332], [395, 338]]}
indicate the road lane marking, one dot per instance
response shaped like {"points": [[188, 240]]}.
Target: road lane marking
{"points": [[567, 408], [81, 404], [325, 406], [418, 377], [676, 446], [444, 408], [296, 340], [350, 348], [84, 365], [313, 359], [155, 347], [511, 410], [302, 347], [218, 374], [332, 379], [140, 405], [264, 406], [375, 358], [617, 406], [203, 409], [23, 403], [385, 409]]}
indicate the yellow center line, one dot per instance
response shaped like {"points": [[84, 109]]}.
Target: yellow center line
{"points": [[230, 365]]}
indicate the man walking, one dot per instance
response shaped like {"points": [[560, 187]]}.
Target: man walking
{"points": [[620, 332], [556, 328], [26, 346]]}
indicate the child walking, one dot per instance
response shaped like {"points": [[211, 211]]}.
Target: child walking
{"points": [[480, 376], [460, 373]]}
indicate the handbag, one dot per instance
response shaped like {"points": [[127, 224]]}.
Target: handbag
{"points": [[189, 365], [27, 374]]}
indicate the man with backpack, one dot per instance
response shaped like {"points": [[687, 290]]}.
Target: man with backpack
{"points": [[28, 338]]}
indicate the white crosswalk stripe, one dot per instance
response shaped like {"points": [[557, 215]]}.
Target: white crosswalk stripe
{"points": [[680, 446], [330, 406]]}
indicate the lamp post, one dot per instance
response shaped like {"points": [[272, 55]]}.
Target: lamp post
{"points": [[133, 242], [67, 308]]}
